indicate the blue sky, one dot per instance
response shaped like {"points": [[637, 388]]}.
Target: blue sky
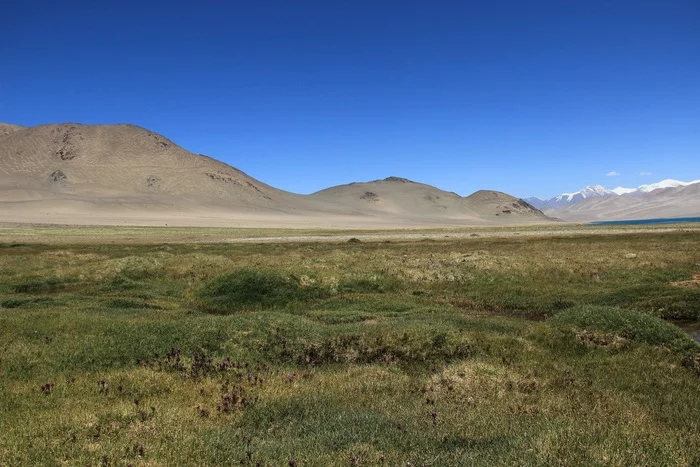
{"points": [[528, 97]]}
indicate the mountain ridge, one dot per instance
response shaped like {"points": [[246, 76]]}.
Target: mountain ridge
{"points": [[665, 199], [672, 202], [75, 173], [590, 191]]}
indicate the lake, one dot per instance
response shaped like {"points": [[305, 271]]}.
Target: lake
{"points": [[672, 220]]}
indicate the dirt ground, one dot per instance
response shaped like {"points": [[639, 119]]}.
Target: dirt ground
{"points": [[69, 234]]}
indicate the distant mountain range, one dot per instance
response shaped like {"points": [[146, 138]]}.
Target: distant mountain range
{"points": [[591, 191], [667, 198], [565, 199]]}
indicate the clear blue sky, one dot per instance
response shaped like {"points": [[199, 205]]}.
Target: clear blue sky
{"points": [[528, 97]]}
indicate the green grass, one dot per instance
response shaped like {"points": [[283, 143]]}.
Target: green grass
{"points": [[254, 289], [626, 324], [486, 351]]}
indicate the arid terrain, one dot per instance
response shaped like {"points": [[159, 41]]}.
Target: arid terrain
{"points": [[127, 175]]}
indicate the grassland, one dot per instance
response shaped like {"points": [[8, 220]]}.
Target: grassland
{"points": [[452, 350]]}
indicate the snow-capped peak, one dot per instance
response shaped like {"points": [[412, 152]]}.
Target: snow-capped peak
{"points": [[589, 191], [623, 191], [565, 199], [668, 183]]}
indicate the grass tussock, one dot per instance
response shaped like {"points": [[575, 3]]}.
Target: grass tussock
{"points": [[254, 289], [627, 324]]}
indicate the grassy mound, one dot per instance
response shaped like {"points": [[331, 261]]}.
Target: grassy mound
{"points": [[625, 323], [253, 289], [657, 299]]}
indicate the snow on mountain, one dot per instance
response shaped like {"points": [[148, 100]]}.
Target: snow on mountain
{"points": [[668, 183], [566, 199], [589, 191], [623, 191]]}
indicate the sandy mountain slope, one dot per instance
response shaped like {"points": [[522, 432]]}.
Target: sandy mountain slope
{"points": [[126, 163], [402, 197], [683, 201], [125, 174], [508, 208], [395, 195], [6, 129]]}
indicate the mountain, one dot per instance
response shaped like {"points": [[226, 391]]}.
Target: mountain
{"points": [[565, 199], [124, 174], [402, 197], [6, 129], [624, 191], [496, 203], [668, 183], [121, 162], [680, 201], [560, 205]]}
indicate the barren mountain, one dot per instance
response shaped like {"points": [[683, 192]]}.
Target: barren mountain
{"points": [[399, 196], [124, 174], [496, 203], [395, 195], [6, 129], [121, 160]]}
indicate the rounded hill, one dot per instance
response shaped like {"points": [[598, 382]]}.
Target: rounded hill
{"points": [[74, 173]]}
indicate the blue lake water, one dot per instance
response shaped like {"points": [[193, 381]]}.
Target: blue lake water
{"points": [[672, 220]]}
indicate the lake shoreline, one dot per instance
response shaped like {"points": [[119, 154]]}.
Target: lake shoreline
{"points": [[660, 220]]}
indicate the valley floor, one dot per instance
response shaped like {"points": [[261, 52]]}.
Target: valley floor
{"points": [[70, 233], [521, 345]]}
